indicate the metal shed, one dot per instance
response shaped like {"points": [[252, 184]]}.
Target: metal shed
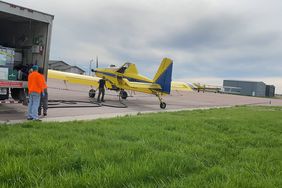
{"points": [[270, 91], [248, 88]]}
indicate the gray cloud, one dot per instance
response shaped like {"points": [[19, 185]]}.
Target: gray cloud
{"points": [[206, 39]]}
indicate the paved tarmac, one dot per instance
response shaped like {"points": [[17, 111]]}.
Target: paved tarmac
{"points": [[136, 103]]}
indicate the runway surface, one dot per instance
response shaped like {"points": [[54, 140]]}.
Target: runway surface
{"points": [[136, 102]]}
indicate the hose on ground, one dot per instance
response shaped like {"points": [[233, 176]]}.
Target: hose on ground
{"points": [[75, 104]]}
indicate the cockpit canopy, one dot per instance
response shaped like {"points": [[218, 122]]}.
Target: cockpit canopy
{"points": [[128, 67]]}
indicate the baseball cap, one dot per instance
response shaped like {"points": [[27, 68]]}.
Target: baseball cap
{"points": [[35, 67]]}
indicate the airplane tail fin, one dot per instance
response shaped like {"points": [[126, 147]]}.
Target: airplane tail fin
{"points": [[163, 75]]}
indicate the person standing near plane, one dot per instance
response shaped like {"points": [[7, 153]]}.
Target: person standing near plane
{"points": [[102, 83], [44, 95], [35, 88]]}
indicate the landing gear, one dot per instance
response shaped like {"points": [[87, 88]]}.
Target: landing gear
{"points": [[92, 93], [123, 94], [162, 104]]}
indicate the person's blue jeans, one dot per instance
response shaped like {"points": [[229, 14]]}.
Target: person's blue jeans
{"points": [[33, 104]]}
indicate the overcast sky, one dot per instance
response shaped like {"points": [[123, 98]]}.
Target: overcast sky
{"points": [[209, 40]]}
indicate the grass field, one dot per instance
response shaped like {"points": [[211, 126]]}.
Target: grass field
{"points": [[232, 147]]}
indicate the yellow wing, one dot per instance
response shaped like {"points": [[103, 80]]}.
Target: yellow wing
{"points": [[74, 78], [180, 86], [94, 81]]}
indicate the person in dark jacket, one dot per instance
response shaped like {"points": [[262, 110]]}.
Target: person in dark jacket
{"points": [[44, 96], [102, 83]]}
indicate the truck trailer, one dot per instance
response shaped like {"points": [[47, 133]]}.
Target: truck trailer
{"points": [[25, 37]]}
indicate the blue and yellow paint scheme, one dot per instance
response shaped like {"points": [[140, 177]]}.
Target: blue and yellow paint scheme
{"points": [[127, 77]]}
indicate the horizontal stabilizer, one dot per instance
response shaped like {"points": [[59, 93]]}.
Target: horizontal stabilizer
{"points": [[180, 86]]}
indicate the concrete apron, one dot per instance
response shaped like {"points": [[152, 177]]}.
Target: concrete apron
{"points": [[106, 116]]}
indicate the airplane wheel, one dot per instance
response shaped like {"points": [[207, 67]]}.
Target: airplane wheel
{"points": [[123, 94], [92, 93], [163, 105]]}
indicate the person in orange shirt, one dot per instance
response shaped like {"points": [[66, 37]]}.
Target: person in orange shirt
{"points": [[35, 88], [44, 96]]}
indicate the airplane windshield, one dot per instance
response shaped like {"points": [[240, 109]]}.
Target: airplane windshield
{"points": [[123, 68]]}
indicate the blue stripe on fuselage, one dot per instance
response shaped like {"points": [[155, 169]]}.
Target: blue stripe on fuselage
{"points": [[106, 73], [128, 78]]}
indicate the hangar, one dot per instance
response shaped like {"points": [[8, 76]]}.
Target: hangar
{"points": [[63, 66], [248, 88]]}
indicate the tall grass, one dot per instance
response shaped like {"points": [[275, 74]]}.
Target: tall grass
{"points": [[234, 147]]}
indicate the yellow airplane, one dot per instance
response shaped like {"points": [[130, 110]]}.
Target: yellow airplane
{"points": [[127, 77], [208, 88]]}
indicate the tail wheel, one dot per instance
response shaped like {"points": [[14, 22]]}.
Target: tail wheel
{"points": [[92, 93], [163, 105], [123, 94]]}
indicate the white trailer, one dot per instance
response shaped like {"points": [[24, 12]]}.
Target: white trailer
{"points": [[24, 41]]}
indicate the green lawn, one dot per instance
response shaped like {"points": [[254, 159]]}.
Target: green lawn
{"points": [[232, 147]]}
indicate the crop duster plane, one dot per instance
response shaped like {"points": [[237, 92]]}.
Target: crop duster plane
{"points": [[127, 77], [202, 87]]}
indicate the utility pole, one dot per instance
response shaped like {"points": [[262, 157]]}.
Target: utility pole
{"points": [[97, 65], [90, 66]]}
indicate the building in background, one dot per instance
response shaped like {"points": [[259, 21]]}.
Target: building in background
{"points": [[270, 91], [63, 66], [248, 88], [57, 65]]}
